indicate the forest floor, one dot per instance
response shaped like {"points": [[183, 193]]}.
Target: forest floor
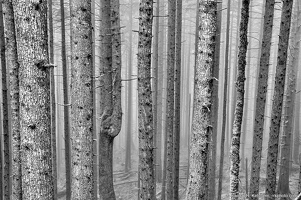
{"points": [[126, 185]]}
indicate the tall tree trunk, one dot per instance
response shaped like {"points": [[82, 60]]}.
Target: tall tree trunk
{"points": [[66, 104], [278, 99], [261, 99], [177, 96], [170, 97], [197, 187], [289, 107], [13, 67], [130, 101], [5, 100], [52, 98], [214, 113], [225, 94], [235, 141], [146, 134], [110, 95], [34, 80], [81, 101]]}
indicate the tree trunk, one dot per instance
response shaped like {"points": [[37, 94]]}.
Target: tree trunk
{"points": [[177, 96], [236, 133], [5, 102], [261, 99], [278, 99], [81, 101], [34, 80], [52, 98], [214, 113], [13, 66], [1, 159], [202, 126], [225, 94], [130, 101], [289, 107], [146, 134], [66, 104]]}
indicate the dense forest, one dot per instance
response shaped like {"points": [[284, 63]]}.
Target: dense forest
{"points": [[143, 99]]}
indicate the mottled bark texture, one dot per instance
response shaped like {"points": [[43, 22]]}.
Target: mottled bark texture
{"points": [[261, 99], [240, 80], [225, 92], [145, 116], [81, 101], [171, 36], [289, 107], [177, 95], [6, 130], [110, 93], [13, 67], [34, 82], [66, 104], [215, 106], [203, 84], [278, 99]]}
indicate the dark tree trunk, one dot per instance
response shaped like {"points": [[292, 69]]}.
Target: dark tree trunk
{"points": [[240, 80], [278, 99]]}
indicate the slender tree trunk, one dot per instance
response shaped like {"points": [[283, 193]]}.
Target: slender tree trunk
{"points": [[130, 101], [146, 134], [1, 159], [170, 97], [236, 133], [214, 113], [66, 104], [224, 122], [5, 102], [52, 98], [34, 80], [110, 95], [177, 96], [261, 99], [81, 101], [278, 99], [13, 67], [202, 126]]}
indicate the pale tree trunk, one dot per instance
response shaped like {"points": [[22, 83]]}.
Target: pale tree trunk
{"points": [[6, 131], [110, 94], [34, 80], [13, 67], [240, 80], [177, 96], [197, 187], [66, 102], [289, 107], [145, 117], [170, 97], [261, 98], [52, 98], [130, 93], [278, 99], [225, 105], [214, 113], [81, 101]]}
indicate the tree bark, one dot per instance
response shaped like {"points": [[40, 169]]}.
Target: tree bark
{"points": [[261, 99], [202, 126], [13, 67], [5, 102], [66, 104], [278, 99], [177, 96], [81, 101], [34, 82], [236, 133], [145, 117]]}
